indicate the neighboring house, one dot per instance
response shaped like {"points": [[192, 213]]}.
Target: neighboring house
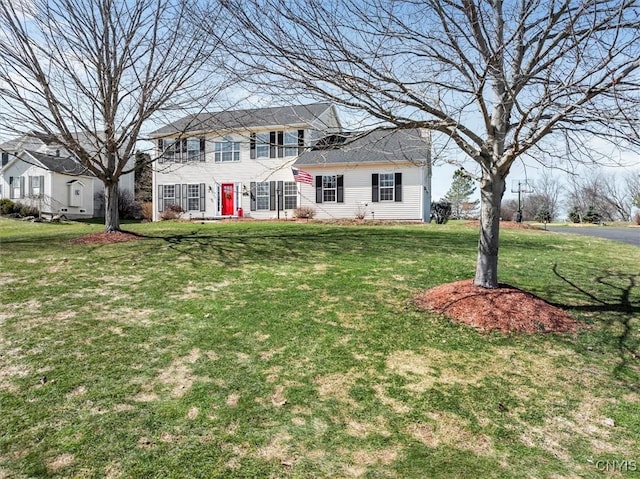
{"points": [[239, 163], [46, 176]]}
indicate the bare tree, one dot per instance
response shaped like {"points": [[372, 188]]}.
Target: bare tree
{"points": [[88, 74], [500, 79], [546, 195], [606, 194]]}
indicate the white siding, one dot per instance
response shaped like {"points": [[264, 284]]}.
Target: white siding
{"points": [[358, 193]]}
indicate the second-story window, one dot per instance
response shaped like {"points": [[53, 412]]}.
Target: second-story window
{"points": [[227, 150]]}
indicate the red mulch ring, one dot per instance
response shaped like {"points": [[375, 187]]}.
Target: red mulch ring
{"points": [[506, 309], [105, 238]]}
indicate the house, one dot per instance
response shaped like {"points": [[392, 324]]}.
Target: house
{"points": [[241, 163], [381, 174], [44, 175]]}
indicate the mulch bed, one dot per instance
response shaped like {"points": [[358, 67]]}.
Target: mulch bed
{"points": [[505, 309], [105, 238]]}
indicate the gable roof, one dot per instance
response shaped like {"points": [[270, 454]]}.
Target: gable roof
{"points": [[251, 118], [60, 164], [376, 146]]}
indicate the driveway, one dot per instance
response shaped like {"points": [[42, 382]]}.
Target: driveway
{"points": [[630, 235]]}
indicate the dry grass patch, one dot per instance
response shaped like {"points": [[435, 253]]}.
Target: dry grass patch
{"points": [[178, 375], [337, 386], [450, 430], [57, 463]]}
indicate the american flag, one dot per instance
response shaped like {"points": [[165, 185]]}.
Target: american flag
{"points": [[302, 176]]}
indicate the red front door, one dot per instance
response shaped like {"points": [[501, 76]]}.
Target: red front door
{"points": [[227, 199]]}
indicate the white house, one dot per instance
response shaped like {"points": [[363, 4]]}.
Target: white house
{"points": [[240, 163], [44, 175], [381, 174]]}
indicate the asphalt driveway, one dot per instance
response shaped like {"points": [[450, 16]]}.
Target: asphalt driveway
{"points": [[621, 234]]}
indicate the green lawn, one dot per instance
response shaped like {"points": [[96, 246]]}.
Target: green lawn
{"points": [[294, 350]]}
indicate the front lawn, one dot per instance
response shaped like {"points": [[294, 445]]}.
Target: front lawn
{"points": [[259, 349]]}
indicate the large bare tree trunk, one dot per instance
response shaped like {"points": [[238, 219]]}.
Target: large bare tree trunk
{"points": [[111, 216], [492, 188]]}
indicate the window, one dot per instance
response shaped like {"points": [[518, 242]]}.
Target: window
{"points": [[276, 144], [290, 195], [330, 189], [386, 187], [329, 186], [36, 185], [193, 197], [181, 150], [291, 143], [16, 187], [263, 194], [227, 150], [193, 149], [169, 195]]}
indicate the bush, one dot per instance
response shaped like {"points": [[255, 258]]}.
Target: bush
{"points": [[26, 210], [304, 212], [128, 207], [171, 212], [574, 215], [592, 216], [543, 215], [146, 210], [440, 211], [7, 206], [636, 218]]}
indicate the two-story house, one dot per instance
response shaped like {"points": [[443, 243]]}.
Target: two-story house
{"points": [[242, 163], [44, 175]]}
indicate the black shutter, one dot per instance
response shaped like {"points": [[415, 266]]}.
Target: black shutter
{"points": [[22, 187], [300, 141], [252, 146], [280, 195], [318, 189], [30, 185], [272, 195], [202, 193], [252, 195], [273, 152], [203, 147], [160, 198], [280, 144], [5, 158], [398, 182], [42, 185], [340, 191], [160, 150], [374, 188]]}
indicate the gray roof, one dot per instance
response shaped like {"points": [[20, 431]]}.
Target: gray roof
{"points": [[376, 146], [60, 164], [252, 118]]}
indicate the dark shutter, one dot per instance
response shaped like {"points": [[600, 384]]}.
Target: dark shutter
{"points": [[318, 189], [252, 195], [398, 184], [5, 158], [185, 201], [280, 195], [160, 198], [177, 193], [280, 144], [202, 193], [273, 152], [272, 195], [300, 141], [42, 185], [203, 148], [30, 185], [160, 150], [252, 146], [374, 188], [22, 187], [340, 191]]}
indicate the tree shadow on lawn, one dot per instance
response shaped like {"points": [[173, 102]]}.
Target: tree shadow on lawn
{"points": [[618, 308], [232, 248]]}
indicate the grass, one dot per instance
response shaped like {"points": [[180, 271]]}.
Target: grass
{"points": [[294, 350]]}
